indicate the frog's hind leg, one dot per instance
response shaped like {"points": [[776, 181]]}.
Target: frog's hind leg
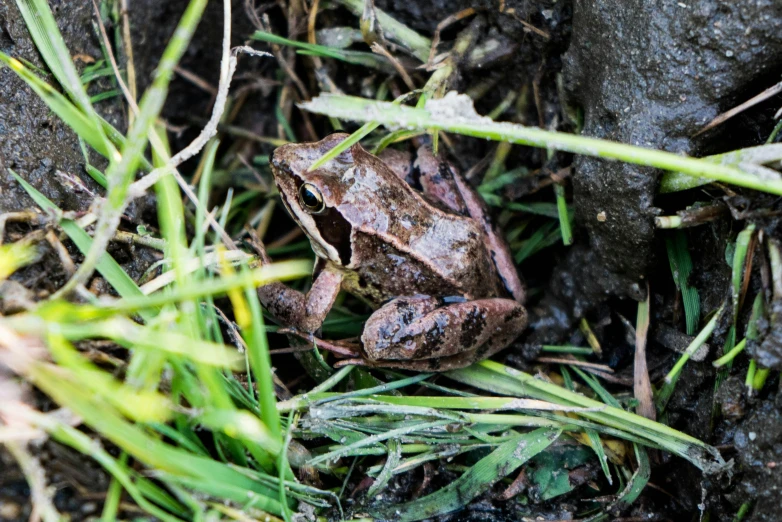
{"points": [[411, 329]]}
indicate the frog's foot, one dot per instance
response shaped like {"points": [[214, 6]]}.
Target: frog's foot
{"points": [[421, 328], [341, 348]]}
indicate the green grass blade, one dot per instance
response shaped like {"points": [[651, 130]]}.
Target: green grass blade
{"points": [[540, 208], [82, 442], [739, 257], [639, 479], [564, 215], [127, 333], [501, 462], [760, 155], [666, 390], [214, 477], [49, 42], [681, 268], [281, 271], [85, 127], [455, 113], [260, 361], [370, 60], [492, 376]]}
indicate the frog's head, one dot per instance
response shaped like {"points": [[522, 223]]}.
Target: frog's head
{"points": [[312, 197]]}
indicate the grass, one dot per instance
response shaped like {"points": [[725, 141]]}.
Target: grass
{"points": [[194, 411]]}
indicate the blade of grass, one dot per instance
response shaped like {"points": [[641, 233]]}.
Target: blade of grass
{"points": [[760, 155], [260, 361], [492, 376], [129, 334], [212, 476], [567, 349], [504, 460], [538, 208], [280, 271], [354, 138], [44, 31], [593, 437], [563, 214], [83, 443], [642, 386], [364, 59], [681, 268], [43, 28], [15, 256], [543, 237], [666, 390], [455, 113]]}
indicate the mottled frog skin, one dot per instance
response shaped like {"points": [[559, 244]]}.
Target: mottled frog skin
{"points": [[441, 279]]}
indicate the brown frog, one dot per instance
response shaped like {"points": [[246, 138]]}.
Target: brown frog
{"points": [[441, 278]]}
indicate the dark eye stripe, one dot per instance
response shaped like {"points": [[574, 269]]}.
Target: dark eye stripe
{"points": [[335, 231]]}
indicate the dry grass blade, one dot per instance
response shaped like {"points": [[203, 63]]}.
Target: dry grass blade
{"points": [[725, 116], [642, 386]]}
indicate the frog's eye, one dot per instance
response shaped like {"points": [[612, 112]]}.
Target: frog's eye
{"points": [[311, 198]]}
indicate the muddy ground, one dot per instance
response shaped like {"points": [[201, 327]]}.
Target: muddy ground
{"points": [[644, 73]]}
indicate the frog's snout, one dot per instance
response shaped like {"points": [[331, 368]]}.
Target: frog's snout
{"points": [[277, 157]]}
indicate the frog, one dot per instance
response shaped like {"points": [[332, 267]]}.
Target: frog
{"points": [[411, 238]]}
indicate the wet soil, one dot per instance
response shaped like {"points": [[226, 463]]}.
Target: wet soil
{"points": [[643, 73], [33, 141], [652, 75]]}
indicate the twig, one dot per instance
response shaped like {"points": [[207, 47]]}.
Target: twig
{"points": [[768, 93], [277, 52], [135, 239], [135, 189], [126, 40], [527, 25], [41, 495], [692, 216], [26, 216], [227, 68], [379, 49], [464, 13], [65, 258], [196, 80], [575, 362]]}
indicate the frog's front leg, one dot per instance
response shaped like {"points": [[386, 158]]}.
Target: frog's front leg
{"points": [[297, 310], [422, 327]]}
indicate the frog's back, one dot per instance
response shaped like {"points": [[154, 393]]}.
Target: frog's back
{"points": [[403, 245], [384, 271]]}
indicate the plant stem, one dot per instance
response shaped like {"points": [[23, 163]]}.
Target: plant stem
{"points": [[454, 115]]}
